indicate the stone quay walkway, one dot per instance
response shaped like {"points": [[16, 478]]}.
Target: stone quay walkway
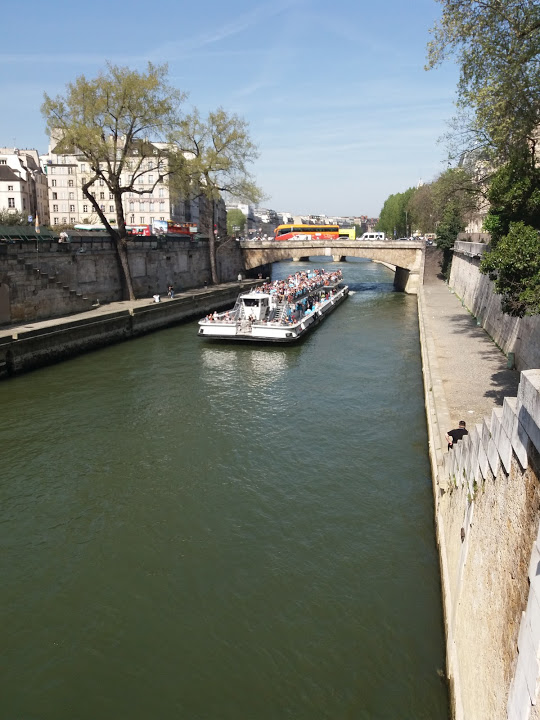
{"points": [[114, 307], [468, 371]]}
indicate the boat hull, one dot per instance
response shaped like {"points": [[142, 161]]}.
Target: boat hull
{"points": [[265, 333]]}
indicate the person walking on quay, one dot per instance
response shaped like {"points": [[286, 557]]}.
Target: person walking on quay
{"points": [[453, 436], [170, 292]]}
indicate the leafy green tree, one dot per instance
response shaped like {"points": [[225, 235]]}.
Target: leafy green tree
{"points": [[214, 154], [13, 218], [235, 219], [514, 266], [422, 210], [497, 46], [106, 121], [514, 196], [394, 217], [447, 232]]}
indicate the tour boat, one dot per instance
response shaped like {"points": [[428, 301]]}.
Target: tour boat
{"points": [[283, 311]]}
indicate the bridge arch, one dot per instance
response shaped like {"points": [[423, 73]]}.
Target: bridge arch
{"points": [[406, 257]]}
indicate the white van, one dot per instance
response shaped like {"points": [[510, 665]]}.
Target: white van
{"points": [[373, 236]]}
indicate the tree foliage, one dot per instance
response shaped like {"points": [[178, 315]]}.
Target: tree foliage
{"points": [[394, 217], [448, 229], [514, 266], [215, 153], [514, 196], [13, 218], [107, 121], [235, 219], [497, 47]]}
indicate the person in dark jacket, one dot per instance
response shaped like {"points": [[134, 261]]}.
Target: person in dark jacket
{"points": [[452, 436]]}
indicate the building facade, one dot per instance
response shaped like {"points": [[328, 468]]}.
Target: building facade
{"points": [[23, 185]]}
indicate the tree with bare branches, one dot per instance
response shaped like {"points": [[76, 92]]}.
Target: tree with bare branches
{"points": [[121, 122], [214, 154]]}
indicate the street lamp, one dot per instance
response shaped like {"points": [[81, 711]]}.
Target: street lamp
{"points": [[406, 224]]}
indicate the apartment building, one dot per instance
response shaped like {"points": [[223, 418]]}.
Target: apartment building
{"points": [[23, 185], [150, 199]]}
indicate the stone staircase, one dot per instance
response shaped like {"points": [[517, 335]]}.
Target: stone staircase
{"points": [[49, 293]]}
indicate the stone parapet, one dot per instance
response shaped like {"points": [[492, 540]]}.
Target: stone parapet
{"points": [[494, 457]]}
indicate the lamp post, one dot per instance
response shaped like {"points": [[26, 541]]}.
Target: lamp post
{"points": [[406, 223]]}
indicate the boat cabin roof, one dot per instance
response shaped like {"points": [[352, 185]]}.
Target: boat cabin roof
{"points": [[255, 296]]}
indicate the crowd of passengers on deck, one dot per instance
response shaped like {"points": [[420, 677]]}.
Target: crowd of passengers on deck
{"points": [[300, 283], [295, 287]]}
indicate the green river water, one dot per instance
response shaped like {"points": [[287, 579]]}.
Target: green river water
{"points": [[229, 532]]}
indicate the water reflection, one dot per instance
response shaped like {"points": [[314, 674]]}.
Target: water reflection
{"points": [[260, 365]]}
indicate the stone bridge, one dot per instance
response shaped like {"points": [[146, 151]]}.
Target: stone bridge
{"points": [[406, 257]]}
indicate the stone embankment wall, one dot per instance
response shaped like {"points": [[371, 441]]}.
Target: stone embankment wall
{"points": [[488, 498], [52, 341], [487, 502], [54, 279], [520, 336]]}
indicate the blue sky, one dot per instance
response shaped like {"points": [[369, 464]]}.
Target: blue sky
{"points": [[335, 93]]}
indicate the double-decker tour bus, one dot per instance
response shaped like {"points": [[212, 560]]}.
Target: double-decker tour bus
{"points": [[347, 233], [306, 232]]}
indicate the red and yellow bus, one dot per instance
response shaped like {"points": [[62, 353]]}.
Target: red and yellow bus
{"points": [[311, 232]]}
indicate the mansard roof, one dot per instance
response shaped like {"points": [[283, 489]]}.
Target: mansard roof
{"points": [[6, 173]]}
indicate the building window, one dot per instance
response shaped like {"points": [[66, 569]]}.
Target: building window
{"points": [[11, 202], [70, 183], [102, 196], [56, 221], [55, 208], [72, 208], [64, 221], [83, 180], [102, 207], [71, 196], [141, 220], [85, 208], [83, 167], [55, 196], [101, 183], [10, 188], [72, 220], [3, 162], [140, 180], [162, 205], [111, 208], [151, 220], [141, 207], [53, 183], [24, 204], [132, 218], [151, 207], [110, 196], [161, 192], [53, 172], [151, 179], [70, 171]]}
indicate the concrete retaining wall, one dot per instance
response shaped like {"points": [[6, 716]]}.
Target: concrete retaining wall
{"points": [[520, 336]]}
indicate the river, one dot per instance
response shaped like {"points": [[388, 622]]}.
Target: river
{"points": [[225, 532]]}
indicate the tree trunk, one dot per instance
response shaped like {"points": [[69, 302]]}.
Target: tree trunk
{"points": [[212, 246], [121, 251]]}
